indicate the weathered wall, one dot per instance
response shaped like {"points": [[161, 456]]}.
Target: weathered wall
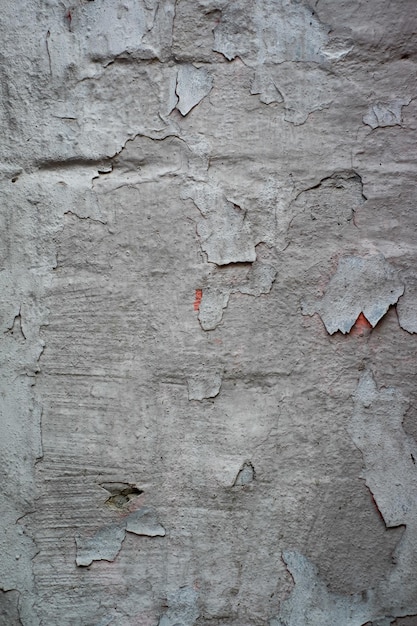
{"points": [[208, 313]]}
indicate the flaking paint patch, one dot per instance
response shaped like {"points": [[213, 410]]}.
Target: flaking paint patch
{"points": [[193, 84], [264, 85], [376, 429], [383, 114], [391, 475], [312, 603], [407, 305], [368, 285], [107, 541], [258, 281], [213, 302], [274, 31], [224, 229], [204, 384], [104, 545], [144, 521]]}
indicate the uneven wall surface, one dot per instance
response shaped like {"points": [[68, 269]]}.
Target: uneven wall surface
{"points": [[208, 313]]}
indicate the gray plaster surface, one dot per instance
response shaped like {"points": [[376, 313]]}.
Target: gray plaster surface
{"points": [[208, 313]]}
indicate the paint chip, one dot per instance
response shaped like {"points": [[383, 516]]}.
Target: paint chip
{"points": [[224, 231], [192, 86], [407, 305], [383, 114], [211, 308], [144, 522], [104, 545], [376, 429], [204, 384], [367, 285]]}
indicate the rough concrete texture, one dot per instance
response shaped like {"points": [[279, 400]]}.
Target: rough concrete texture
{"points": [[208, 313]]}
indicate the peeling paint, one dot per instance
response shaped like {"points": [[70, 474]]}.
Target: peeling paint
{"points": [[106, 543], [264, 85], [388, 452], [272, 30], [312, 603], [245, 476], [144, 522], [368, 285], [223, 229], [193, 84], [259, 280], [204, 384], [407, 305], [383, 114], [390, 473], [212, 305]]}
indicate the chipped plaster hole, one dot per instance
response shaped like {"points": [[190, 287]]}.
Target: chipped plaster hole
{"points": [[120, 494], [362, 327], [198, 297], [245, 475]]}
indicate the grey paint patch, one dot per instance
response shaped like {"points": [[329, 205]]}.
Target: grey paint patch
{"points": [[407, 305], [144, 521], [312, 603], [205, 383], [104, 545], [376, 429], [143, 160], [390, 472], [211, 308], [383, 114], [368, 285], [182, 608], [264, 85], [246, 475], [225, 235], [305, 89], [270, 30], [259, 280], [193, 85]]}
